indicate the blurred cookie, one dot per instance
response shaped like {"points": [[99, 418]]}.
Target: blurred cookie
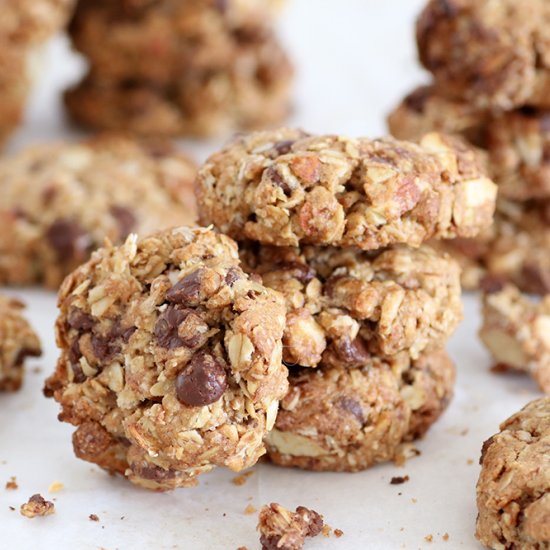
{"points": [[17, 342], [60, 202], [170, 358]]}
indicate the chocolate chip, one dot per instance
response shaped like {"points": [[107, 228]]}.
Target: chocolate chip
{"points": [[353, 352], [300, 271], [232, 276], [105, 348], [74, 360], [69, 240], [23, 353], [202, 382], [125, 219], [79, 320], [313, 520], [354, 407], [398, 480], [278, 180], [283, 147], [187, 290], [153, 472], [166, 327]]}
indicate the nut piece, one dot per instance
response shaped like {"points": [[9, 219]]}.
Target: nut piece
{"points": [[37, 507], [516, 330], [17, 342], [171, 358], [513, 491], [333, 190], [281, 529]]}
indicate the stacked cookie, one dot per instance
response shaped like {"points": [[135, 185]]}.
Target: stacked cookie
{"points": [[491, 67], [166, 67], [337, 225], [25, 25]]}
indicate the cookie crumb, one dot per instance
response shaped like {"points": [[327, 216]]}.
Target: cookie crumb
{"points": [[11, 485], [326, 530], [37, 506], [429, 538], [470, 461], [338, 533], [93, 517], [242, 479], [397, 480], [445, 537], [281, 528], [414, 501], [12, 508], [250, 510], [55, 487]]}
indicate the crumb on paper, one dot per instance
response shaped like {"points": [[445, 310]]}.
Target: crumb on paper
{"points": [[37, 506], [242, 548], [281, 528], [414, 501], [429, 538], [338, 533], [11, 485], [250, 510], [326, 530], [12, 508], [93, 517], [398, 480], [470, 461], [55, 487], [445, 537], [242, 479]]}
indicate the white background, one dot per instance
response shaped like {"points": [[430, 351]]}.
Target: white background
{"points": [[355, 59]]}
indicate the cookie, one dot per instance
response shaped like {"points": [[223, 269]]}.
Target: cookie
{"points": [[60, 202], [513, 491], [281, 529], [17, 342], [286, 188], [491, 54], [170, 358], [25, 26], [346, 305], [514, 250], [426, 110], [198, 68], [339, 419], [516, 331]]}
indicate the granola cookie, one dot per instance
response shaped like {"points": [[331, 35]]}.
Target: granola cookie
{"points": [[426, 110], [281, 529], [513, 491], [287, 188], [345, 305], [516, 330], [199, 67], [17, 342], [59, 203], [170, 358], [339, 419], [492, 54]]}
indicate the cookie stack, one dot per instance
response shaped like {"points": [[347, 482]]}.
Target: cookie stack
{"points": [[337, 225], [173, 68], [491, 84], [25, 25]]}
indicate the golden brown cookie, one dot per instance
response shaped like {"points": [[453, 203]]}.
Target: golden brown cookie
{"points": [[513, 491], [287, 188]]}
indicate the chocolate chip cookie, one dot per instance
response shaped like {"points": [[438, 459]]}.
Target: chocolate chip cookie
{"points": [[287, 188], [199, 67], [170, 358], [345, 305], [59, 203], [490, 54], [516, 330], [339, 419], [513, 491], [17, 342]]}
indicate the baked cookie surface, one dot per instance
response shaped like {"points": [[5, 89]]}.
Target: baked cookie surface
{"points": [[170, 358], [17, 342], [288, 188], [60, 202], [513, 491]]}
